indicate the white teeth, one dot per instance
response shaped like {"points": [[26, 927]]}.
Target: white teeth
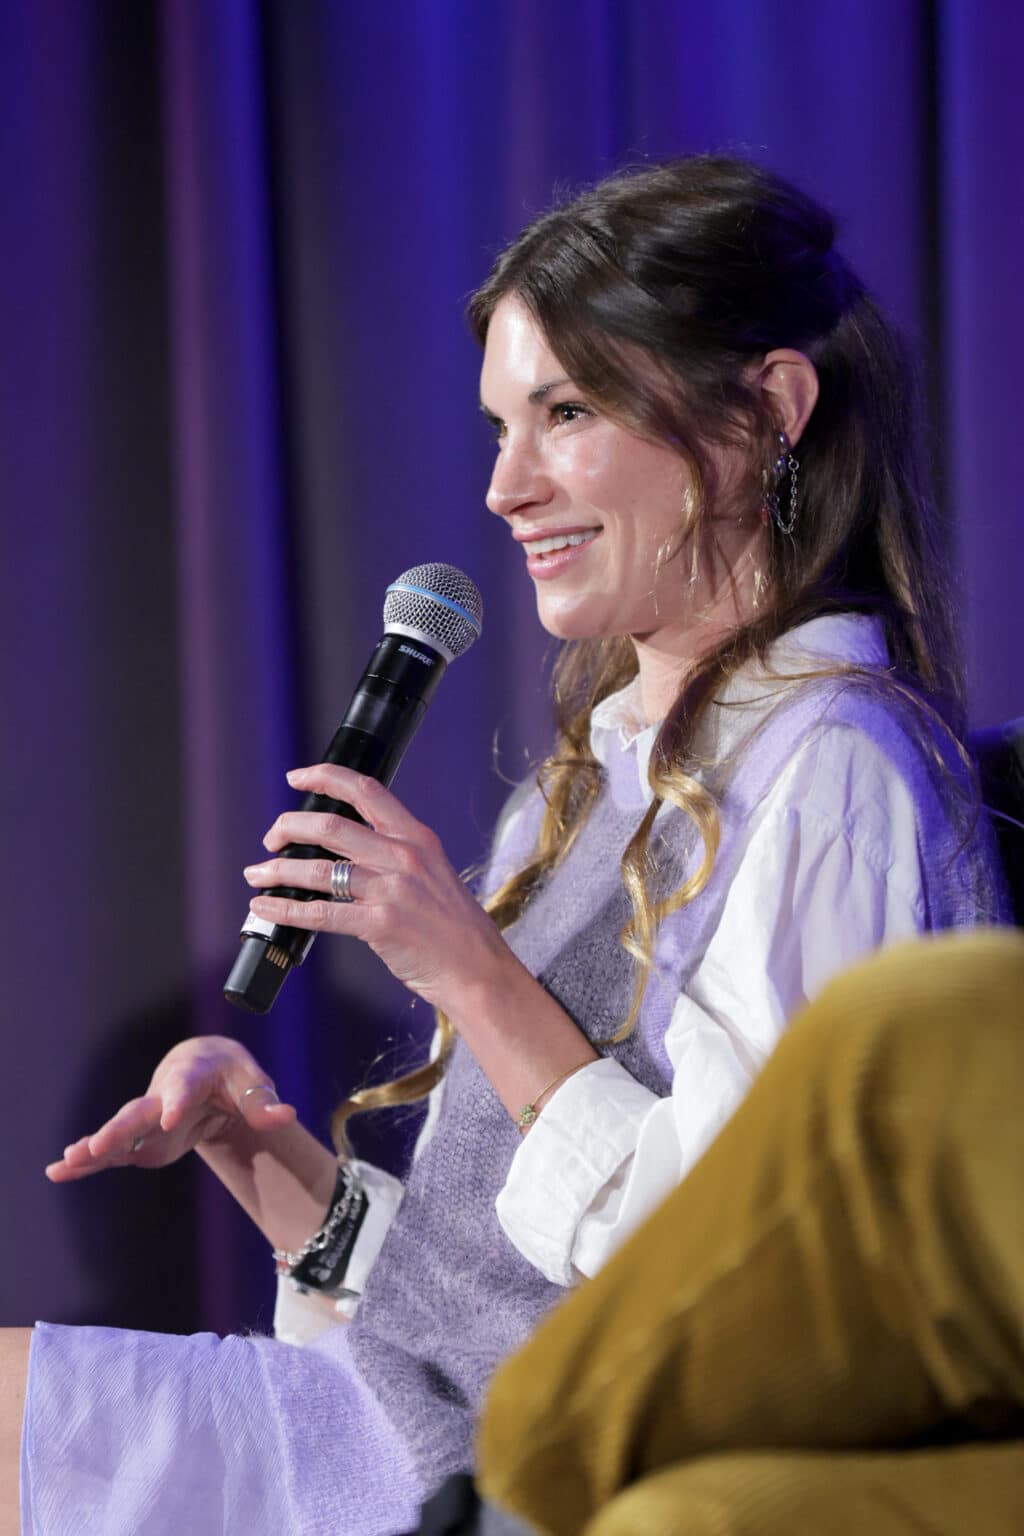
{"points": [[560, 541]]}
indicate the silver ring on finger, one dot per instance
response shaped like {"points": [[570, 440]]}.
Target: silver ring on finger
{"points": [[341, 880], [258, 1088]]}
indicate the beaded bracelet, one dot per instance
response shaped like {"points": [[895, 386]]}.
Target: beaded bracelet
{"points": [[321, 1262]]}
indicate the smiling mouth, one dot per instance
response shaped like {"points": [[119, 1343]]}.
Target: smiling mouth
{"points": [[538, 548]]}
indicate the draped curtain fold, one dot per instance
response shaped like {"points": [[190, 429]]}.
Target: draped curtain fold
{"points": [[238, 397]]}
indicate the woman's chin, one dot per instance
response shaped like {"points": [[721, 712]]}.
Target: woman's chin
{"points": [[573, 629], [568, 620]]}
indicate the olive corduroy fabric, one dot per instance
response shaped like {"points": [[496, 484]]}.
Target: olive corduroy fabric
{"points": [[842, 1272], [972, 1490]]}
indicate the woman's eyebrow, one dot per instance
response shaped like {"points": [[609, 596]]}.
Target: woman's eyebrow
{"points": [[535, 396]]}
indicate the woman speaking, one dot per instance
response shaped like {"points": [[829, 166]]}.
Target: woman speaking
{"points": [[706, 458]]}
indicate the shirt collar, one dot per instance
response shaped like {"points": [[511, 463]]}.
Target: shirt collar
{"points": [[618, 730]]}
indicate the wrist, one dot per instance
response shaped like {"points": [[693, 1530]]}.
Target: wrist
{"points": [[521, 1036], [282, 1178], [531, 1111], [322, 1262], [486, 997]]}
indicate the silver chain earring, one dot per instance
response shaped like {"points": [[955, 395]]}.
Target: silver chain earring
{"points": [[771, 480]]}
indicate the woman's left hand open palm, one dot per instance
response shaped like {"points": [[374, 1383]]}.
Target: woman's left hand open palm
{"points": [[409, 905]]}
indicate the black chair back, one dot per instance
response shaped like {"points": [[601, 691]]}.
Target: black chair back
{"points": [[999, 753]]}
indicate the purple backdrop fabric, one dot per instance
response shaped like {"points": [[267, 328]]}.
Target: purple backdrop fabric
{"points": [[238, 398]]}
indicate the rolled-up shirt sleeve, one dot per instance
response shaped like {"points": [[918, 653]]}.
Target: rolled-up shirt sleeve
{"points": [[817, 887]]}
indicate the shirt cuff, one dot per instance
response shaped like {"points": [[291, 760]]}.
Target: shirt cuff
{"points": [[299, 1318], [583, 1135]]}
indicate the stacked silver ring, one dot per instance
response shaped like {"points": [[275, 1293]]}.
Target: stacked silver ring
{"points": [[341, 880]]}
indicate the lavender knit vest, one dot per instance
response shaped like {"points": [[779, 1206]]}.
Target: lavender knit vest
{"points": [[450, 1295]]}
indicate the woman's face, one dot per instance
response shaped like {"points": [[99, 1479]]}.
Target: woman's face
{"points": [[598, 512]]}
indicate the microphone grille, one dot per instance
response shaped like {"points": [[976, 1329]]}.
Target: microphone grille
{"points": [[438, 602]]}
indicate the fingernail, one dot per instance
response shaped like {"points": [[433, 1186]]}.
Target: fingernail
{"points": [[252, 872], [295, 775]]}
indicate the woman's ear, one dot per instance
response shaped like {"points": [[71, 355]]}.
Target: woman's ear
{"points": [[789, 381]]}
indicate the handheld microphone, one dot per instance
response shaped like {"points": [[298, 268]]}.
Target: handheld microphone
{"points": [[432, 614]]}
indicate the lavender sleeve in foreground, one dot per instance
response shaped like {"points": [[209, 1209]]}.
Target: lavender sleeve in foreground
{"points": [[152, 1434]]}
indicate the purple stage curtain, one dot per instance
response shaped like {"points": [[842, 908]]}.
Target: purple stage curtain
{"points": [[238, 397]]}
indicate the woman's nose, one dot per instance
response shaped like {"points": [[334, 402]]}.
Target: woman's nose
{"points": [[517, 481]]}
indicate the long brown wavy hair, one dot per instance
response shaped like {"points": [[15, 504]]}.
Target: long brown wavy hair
{"points": [[701, 266]]}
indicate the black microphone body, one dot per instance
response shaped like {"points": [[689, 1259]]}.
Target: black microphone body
{"points": [[388, 705]]}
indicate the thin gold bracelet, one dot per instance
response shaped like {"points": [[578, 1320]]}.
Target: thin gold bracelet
{"points": [[529, 1112]]}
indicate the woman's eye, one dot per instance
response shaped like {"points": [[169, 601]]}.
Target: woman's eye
{"points": [[568, 411], [496, 427]]}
